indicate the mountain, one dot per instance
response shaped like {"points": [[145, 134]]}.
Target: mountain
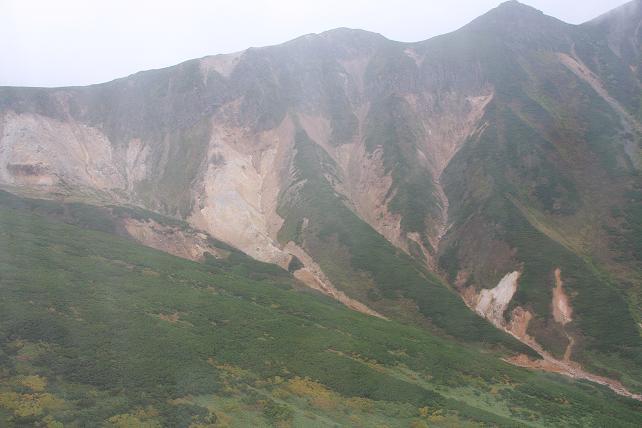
{"points": [[97, 330], [483, 185]]}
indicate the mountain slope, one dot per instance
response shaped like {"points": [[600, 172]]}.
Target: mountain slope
{"points": [[85, 316], [501, 162], [554, 153]]}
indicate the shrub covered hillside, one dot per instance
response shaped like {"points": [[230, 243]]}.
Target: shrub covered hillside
{"points": [[97, 330], [478, 193]]}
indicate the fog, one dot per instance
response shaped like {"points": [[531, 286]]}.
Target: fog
{"points": [[79, 42]]}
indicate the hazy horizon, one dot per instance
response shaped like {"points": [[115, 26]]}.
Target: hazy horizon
{"points": [[74, 42]]}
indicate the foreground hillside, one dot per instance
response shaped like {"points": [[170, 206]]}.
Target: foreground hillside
{"points": [[475, 199], [493, 172], [96, 329]]}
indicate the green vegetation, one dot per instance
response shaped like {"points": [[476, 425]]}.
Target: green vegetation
{"points": [[389, 273], [511, 167], [393, 126], [628, 237], [295, 264], [95, 329], [98, 331], [187, 152]]}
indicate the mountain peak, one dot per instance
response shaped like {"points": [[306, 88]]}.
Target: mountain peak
{"points": [[514, 20], [621, 26], [351, 36], [628, 12], [346, 31], [511, 10], [514, 4], [341, 41]]}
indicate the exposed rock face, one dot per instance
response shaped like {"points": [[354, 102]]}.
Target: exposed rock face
{"points": [[221, 64], [471, 153], [38, 151], [549, 364], [562, 311], [584, 72], [519, 320], [492, 304], [312, 275], [236, 198], [169, 239]]}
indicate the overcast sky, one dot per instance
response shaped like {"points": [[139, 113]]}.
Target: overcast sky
{"points": [[79, 42]]}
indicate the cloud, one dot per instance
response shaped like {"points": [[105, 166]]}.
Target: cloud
{"points": [[78, 42]]}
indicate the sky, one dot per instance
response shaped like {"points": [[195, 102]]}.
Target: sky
{"points": [[79, 42]]}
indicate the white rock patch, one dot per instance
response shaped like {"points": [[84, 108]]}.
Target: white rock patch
{"points": [[491, 304], [38, 151]]}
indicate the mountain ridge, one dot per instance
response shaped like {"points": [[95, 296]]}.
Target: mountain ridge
{"points": [[513, 6], [453, 161]]}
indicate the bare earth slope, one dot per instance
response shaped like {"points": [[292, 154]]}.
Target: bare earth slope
{"points": [[407, 180]]}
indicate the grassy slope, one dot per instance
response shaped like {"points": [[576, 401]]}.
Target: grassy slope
{"points": [[512, 161], [393, 126], [361, 262], [95, 328], [550, 145]]}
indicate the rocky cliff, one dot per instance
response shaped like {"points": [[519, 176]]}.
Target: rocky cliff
{"points": [[404, 179]]}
